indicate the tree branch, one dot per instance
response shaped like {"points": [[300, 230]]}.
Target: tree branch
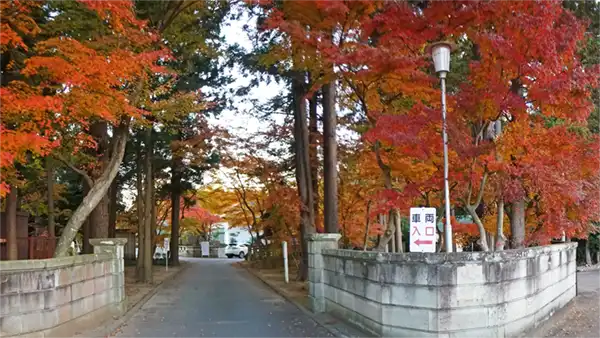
{"points": [[68, 163]]}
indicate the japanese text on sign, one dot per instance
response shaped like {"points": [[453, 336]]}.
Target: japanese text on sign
{"points": [[422, 229]]}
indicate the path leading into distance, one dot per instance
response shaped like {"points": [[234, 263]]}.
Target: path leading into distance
{"points": [[211, 298]]}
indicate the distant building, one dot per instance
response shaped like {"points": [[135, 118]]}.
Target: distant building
{"points": [[227, 235]]}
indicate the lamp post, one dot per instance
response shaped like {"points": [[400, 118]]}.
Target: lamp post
{"points": [[440, 52]]}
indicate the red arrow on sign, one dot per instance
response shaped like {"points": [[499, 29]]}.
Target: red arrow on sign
{"points": [[420, 241]]}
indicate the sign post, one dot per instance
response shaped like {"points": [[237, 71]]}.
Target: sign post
{"points": [[285, 262], [422, 229], [166, 247]]}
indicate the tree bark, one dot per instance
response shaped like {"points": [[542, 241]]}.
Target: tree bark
{"points": [[11, 224], [368, 222], [175, 209], [314, 159], [330, 196], [97, 192], [398, 226], [517, 223], [588, 253], [112, 211], [500, 238], [86, 231], [148, 199], [140, 214], [50, 188], [303, 177], [98, 219], [389, 232], [517, 214]]}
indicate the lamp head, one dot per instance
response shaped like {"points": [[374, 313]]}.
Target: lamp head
{"points": [[440, 53]]}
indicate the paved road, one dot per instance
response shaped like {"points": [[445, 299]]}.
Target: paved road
{"points": [[211, 298]]}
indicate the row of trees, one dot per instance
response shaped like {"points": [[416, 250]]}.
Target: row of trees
{"points": [[523, 110], [101, 99], [101, 103]]}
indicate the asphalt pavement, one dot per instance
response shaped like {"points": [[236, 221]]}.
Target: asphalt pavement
{"points": [[212, 298]]}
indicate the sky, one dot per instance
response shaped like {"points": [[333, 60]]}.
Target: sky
{"points": [[237, 120]]}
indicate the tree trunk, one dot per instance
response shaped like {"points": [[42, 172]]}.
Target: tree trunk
{"points": [[588, 254], [387, 182], [11, 224], [175, 208], [330, 196], [472, 209], [517, 213], [96, 193], [368, 222], [314, 159], [303, 177], [112, 210], [517, 223], [86, 231], [86, 247], [500, 238], [50, 188], [98, 219], [148, 201], [398, 226], [140, 215]]}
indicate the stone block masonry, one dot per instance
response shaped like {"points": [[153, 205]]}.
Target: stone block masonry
{"points": [[53, 297], [466, 294]]}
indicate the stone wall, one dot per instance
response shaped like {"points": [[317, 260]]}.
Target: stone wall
{"points": [[57, 296], [467, 294]]}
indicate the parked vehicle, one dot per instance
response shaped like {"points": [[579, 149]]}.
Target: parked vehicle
{"points": [[236, 250]]}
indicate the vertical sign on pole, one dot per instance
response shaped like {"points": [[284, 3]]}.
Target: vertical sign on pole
{"points": [[285, 262], [422, 229], [166, 247]]}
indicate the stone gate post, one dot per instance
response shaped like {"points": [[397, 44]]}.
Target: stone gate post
{"points": [[316, 286]]}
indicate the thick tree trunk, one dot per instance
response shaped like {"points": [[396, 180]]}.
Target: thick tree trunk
{"points": [[140, 215], [50, 188], [175, 209], [330, 196], [98, 219], [303, 177], [588, 253], [112, 211], [314, 159], [517, 223], [97, 192], [517, 207], [148, 201], [11, 223], [86, 246]]}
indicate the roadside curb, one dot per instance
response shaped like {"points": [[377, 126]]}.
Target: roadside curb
{"points": [[333, 330], [108, 329]]}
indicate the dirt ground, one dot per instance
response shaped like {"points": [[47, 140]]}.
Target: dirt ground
{"points": [[136, 291], [581, 317]]}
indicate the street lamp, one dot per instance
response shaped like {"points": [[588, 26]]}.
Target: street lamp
{"points": [[440, 52]]}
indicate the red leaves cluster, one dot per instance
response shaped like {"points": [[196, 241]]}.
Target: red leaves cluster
{"points": [[524, 67], [79, 81]]}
